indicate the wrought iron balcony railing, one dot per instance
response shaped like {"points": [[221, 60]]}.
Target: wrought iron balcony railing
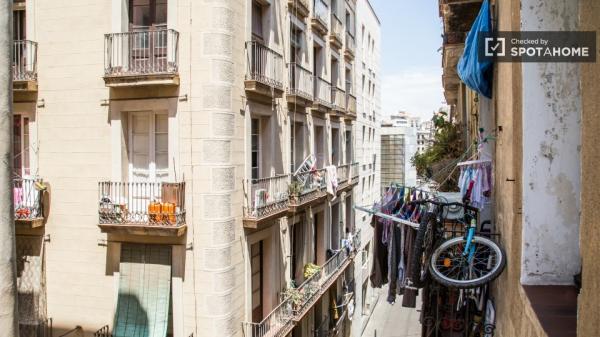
{"points": [[27, 195], [275, 324], [313, 287], [266, 196], [142, 203], [307, 186], [144, 52], [263, 64], [24, 60], [322, 91], [301, 81]]}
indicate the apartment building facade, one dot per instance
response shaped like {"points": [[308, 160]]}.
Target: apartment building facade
{"points": [[176, 167], [368, 152]]}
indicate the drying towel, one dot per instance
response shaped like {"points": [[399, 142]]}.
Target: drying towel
{"points": [[331, 180]]}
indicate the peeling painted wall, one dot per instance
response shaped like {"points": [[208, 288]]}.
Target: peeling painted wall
{"points": [[551, 154]]}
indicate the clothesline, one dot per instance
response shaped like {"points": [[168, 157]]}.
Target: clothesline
{"points": [[387, 216]]}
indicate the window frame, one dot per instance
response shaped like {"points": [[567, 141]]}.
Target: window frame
{"points": [[153, 173]]}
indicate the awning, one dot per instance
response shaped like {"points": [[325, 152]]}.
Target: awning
{"points": [[477, 74], [144, 291]]}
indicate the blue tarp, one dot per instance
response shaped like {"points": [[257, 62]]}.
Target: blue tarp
{"points": [[477, 74]]}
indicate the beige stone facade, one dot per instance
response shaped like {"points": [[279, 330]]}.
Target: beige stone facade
{"points": [[548, 233], [160, 141]]}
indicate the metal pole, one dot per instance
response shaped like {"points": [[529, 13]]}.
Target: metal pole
{"points": [[9, 326]]}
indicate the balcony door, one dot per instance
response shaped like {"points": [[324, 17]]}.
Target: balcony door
{"points": [[148, 146], [256, 265], [148, 35], [21, 164]]}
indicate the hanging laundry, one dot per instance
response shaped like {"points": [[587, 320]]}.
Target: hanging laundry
{"points": [[475, 183], [331, 180]]}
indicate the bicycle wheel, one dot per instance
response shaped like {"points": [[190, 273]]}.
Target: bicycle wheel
{"points": [[422, 248], [449, 267]]}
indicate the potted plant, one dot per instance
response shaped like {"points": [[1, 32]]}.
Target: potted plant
{"points": [[294, 190]]}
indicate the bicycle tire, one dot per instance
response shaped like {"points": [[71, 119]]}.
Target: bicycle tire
{"points": [[494, 272], [422, 249]]}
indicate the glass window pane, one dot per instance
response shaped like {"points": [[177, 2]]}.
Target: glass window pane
{"points": [[17, 144]]}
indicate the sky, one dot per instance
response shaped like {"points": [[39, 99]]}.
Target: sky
{"points": [[411, 70]]}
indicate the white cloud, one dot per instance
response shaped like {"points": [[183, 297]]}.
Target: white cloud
{"points": [[416, 91]]}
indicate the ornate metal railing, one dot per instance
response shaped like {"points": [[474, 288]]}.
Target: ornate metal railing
{"points": [[338, 98], [103, 332], [266, 196], [315, 285], [350, 104], [145, 52], [301, 81], [143, 203], [27, 195], [322, 91], [307, 186], [321, 12], [274, 324], [263, 64], [24, 60]]}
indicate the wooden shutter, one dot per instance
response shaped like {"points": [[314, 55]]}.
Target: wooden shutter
{"points": [[144, 291]]}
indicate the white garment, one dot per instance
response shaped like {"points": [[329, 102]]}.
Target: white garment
{"points": [[331, 180]]}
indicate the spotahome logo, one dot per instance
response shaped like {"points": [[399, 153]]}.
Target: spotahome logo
{"points": [[538, 46]]}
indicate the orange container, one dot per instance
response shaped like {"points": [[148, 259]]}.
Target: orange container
{"points": [[154, 211], [168, 211]]}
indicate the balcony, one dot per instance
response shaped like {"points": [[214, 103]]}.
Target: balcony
{"points": [[301, 85], [322, 96], [141, 58], [24, 65], [28, 196], [299, 8], [264, 72], [349, 47], [315, 286], [306, 189], [144, 208], [320, 19], [350, 105], [278, 322], [338, 100], [336, 39], [265, 199], [343, 176], [354, 173]]}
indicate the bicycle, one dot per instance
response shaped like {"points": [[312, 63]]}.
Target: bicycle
{"points": [[467, 261]]}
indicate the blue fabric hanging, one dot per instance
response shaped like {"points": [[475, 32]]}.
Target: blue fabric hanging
{"points": [[475, 74]]}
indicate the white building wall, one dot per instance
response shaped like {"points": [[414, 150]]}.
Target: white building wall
{"points": [[368, 65], [551, 154]]}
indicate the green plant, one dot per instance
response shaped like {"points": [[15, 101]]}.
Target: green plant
{"points": [[294, 295], [311, 269], [294, 189], [435, 163]]}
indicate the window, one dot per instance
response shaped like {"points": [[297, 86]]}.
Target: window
{"points": [[21, 145], [297, 246], [348, 147], [256, 266], [19, 24], [292, 147], [147, 13], [295, 44], [148, 146], [257, 19], [255, 147], [364, 130]]}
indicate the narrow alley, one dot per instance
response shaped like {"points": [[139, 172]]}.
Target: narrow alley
{"points": [[393, 320]]}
